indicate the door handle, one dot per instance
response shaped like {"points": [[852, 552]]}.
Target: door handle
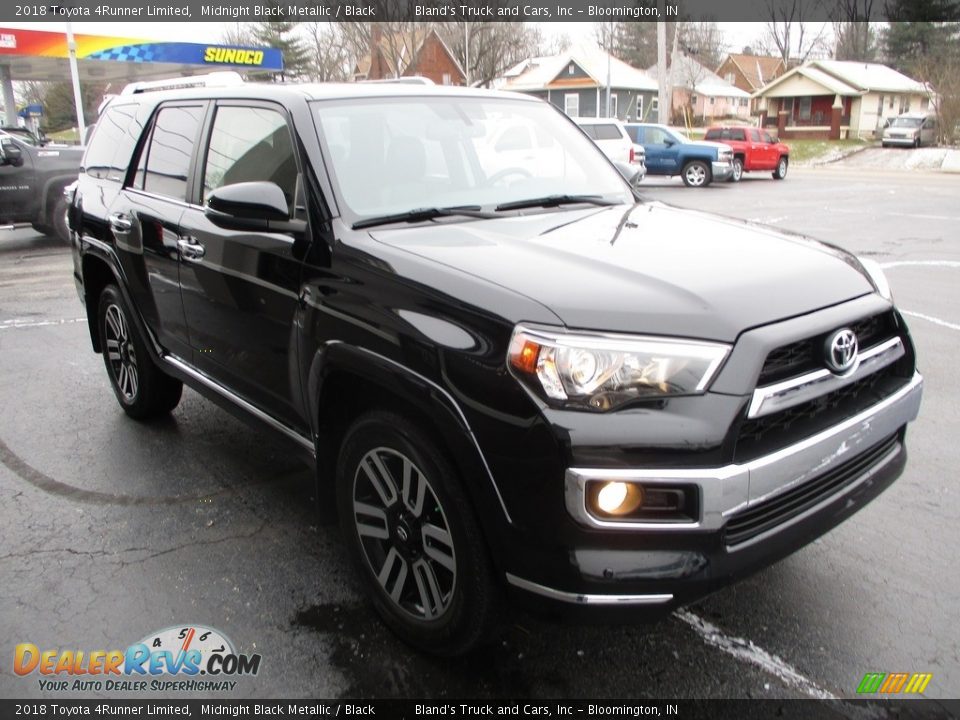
{"points": [[120, 223], [190, 249]]}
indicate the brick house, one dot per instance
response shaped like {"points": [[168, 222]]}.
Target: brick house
{"points": [[404, 54], [751, 72]]}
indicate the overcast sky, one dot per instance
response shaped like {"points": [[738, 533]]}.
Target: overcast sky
{"points": [[736, 34]]}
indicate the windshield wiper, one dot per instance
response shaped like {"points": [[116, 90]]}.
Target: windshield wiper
{"points": [[421, 214], [555, 201]]}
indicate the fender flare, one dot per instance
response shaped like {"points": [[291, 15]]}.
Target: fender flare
{"points": [[58, 180], [420, 392]]}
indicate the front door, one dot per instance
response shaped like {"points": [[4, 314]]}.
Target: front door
{"points": [[18, 195], [240, 289]]}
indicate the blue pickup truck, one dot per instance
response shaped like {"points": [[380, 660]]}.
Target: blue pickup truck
{"points": [[671, 153]]}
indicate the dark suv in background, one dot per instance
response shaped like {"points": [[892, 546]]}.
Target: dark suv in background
{"points": [[33, 175], [511, 378]]}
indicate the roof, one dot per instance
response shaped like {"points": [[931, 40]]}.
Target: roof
{"points": [[757, 70], [287, 92], [846, 77], [539, 73], [686, 71], [407, 45]]}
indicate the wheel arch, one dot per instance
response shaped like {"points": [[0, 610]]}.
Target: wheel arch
{"points": [[52, 189], [346, 381]]}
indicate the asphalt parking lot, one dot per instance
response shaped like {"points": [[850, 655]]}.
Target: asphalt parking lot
{"points": [[110, 529]]}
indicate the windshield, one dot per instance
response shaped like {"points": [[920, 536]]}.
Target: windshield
{"points": [[392, 155], [23, 136], [906, 122]]}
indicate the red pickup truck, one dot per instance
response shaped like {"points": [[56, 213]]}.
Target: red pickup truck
{"points": [[753, 149]]}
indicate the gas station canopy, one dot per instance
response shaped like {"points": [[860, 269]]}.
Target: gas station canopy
{"points": [[43, 55]]}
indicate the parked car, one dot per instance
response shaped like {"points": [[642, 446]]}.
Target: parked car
{"points": [[32, 179], [611, 137], [669, 152], [522, 381], [753, 150], [910, 130]]}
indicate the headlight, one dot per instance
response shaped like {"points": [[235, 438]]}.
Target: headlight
{"points": [[603, 372], [877, 277]]}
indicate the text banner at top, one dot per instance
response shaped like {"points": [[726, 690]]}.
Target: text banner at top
{"points": [[435, 10]]}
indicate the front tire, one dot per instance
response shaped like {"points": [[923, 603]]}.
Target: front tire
{"points": [[781, 172], [696, 174], [412, 534], [143, 391], [58, 220]]}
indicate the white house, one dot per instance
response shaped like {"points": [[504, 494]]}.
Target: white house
{"points": [[835, 98]]}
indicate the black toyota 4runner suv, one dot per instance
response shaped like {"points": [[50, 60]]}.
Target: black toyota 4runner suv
{"points": [[33, 176], [513, 377]]}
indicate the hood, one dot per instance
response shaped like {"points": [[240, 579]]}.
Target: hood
{"points": [[647, 269]]}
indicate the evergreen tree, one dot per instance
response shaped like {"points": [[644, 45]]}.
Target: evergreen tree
{"points": [[282, 36]]}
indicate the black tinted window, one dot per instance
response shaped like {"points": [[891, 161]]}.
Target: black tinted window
{"points": [[250, 144], [114, 139], [168, 155], [714, 135]]}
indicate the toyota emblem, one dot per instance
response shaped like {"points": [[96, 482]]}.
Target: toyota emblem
{"points": [[841, 350]]}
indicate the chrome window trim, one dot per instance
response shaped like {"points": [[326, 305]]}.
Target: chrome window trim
{"points": [[731, 488], [586, 598], [795, 391]]}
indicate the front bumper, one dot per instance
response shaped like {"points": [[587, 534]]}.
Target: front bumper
{"points": [[722, 170], [661, 565], [905, 141]]}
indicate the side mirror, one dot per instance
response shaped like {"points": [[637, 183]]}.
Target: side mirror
{"points": [[630, 173], [10, 154], [247, 206], [669, 143]]}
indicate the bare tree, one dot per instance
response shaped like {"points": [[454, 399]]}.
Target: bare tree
{"points": [[703, 41], [854, 38], [493, 47], [788, 36], [328, 58], [398, 41], [237, 34]]}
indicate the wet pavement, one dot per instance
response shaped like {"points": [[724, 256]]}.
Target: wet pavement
{"points": [[111, 529]]}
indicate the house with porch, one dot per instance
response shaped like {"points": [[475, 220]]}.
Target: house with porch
{"points": [[832, 99], [576, 81]]}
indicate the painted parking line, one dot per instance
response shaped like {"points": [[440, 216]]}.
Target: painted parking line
{"points": [[921, 263], [748, 651], [16, 323], [931, 318]]}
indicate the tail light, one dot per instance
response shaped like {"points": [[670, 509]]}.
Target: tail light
{"points": [[631, 154]]}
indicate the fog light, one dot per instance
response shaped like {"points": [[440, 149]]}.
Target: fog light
{"points": [[618, 498]]}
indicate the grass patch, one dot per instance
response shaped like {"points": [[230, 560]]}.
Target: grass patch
{"points": [[71, 136], [809, 151]]}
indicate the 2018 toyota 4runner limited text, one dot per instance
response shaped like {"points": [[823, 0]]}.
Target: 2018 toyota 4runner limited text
{"points": [[513, 381]]}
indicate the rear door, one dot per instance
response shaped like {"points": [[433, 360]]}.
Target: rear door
{"points": [[144, 217], [240, 289]]}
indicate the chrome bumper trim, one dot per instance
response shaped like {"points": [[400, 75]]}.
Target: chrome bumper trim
{"points": [[731, 488], [795, 391], [586, 599]]}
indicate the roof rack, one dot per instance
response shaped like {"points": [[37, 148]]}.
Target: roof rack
{"points": [[408, 80], [224, 78]]}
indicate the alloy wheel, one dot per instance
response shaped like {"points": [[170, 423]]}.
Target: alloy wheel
{"points": [[696, 175], [121, 353], [404, 534]]}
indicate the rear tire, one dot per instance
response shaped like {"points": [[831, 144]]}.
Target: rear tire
{"points": [[143, 391], [58, 220], [696, 174], [782, 165], [413, 536], [737, 170]]}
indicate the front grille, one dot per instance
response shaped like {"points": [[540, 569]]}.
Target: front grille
{"points": [[803, 356], [767, 515], [762, 435]]}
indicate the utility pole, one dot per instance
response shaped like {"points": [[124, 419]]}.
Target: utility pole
{"points": [[466, 43], [608, 48], [75, 76], [662, 94]]}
